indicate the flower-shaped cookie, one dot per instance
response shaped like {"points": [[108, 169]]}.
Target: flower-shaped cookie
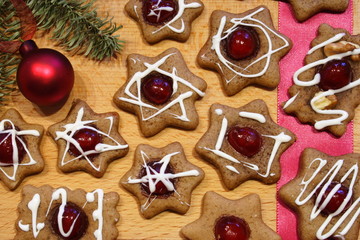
{"points": [[244, 143], [88, 141], [60, 213], [164, 19], [325, 195], [222, 218], [161, 91], [244, 49], [19, 149], [162, 179], [325, 91], [304, 9]]}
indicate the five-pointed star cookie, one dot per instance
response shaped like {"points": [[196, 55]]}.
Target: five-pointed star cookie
{"points": [[164, 19], [325, 91], [244, 143], [219, 215], [161, 91], [304, 9], [325, 196], [88, 141], [162, 179], [244, 49], [19, 149]]}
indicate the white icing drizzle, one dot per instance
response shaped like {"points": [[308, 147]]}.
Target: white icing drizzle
{"points": [[250, 21], [61, 194], [182, 6], [70, 130], [15, 135], [279, 139], [219, 111], [350, 176], [136, 98], [343, 114], [291, 100], [152, 177], [157, 10], [255, 116]]}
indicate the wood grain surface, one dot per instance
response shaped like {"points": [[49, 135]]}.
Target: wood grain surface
{"points": [[96, 83]]}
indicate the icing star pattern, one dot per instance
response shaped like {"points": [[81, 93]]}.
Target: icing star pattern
{"points": [[234, 167], [179, 184], [317, 171], [215, 206]]}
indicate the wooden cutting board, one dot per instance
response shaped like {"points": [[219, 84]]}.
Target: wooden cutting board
{"points": [[96, 83]]}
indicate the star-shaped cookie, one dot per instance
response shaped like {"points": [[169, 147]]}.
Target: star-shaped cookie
{"points": [[304, 9], [161, 91], [325, 196], [164, 19], [19, 149], [216, 209], [250, 126], [88, 141], [244, 49], [162, 179], [325, 91]]}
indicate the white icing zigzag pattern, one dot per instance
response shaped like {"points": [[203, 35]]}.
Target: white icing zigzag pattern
{"points": [[135, 98]]}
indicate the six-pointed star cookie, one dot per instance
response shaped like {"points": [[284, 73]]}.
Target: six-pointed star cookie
{"points": [[325, 91], [88, 141], [161, 91], [244, 49], [304, 9], [164, 19], [320, 177], [244, 143], [19, 149], [162, 179], [219, 214]]}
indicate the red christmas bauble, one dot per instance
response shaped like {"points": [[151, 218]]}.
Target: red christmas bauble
{"points": [[44, 76]]}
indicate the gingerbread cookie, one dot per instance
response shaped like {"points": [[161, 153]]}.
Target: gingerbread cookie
{"points": [[304, 9], [19, 149], [325, 91], [49, 213], [88, 141], [164, 19], [244, 49], [325, 196], [223, 218], [162, 179], [161, 91], [244, 143]]}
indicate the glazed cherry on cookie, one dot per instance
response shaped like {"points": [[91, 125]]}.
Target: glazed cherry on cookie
{"points": [[151, 170], [7, 149], [242, 43], [335, 74], [74, 222], [231, 228], [159, 11], [336, 200], [87, 139], [244, 140], [157, 88]]}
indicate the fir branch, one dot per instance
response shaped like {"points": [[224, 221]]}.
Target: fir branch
{"points": [[76, 27]]}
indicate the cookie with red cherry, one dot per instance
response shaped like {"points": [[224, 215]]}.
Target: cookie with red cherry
{"points": [[20, 154], [162, 179], [305, 9], [164, 19], [161, 92], [88, 141], [325, 196], [244, 143], [326, 89], [244, 49], [222, 218], [60, 213]]}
